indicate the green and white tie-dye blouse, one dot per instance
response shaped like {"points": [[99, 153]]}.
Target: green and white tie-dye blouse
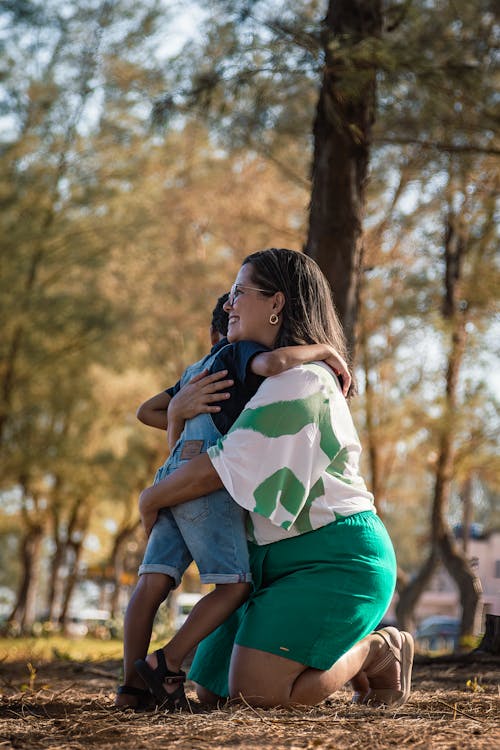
{"points": [[292, 456]]}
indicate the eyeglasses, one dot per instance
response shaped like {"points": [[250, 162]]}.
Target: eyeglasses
{"points": [[236, 290]]}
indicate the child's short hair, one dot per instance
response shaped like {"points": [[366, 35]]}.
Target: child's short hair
{"points": [[220, 317]]}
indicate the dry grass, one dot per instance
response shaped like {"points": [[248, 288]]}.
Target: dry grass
{"points": [[68, 705]]}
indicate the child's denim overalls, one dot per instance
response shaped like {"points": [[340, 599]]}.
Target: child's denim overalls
{"points": [[209, 530]]}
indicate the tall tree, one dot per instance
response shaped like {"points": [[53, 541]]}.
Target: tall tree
{"points": [[56, 319], [468, 265], [254, 74], [342, 140]]}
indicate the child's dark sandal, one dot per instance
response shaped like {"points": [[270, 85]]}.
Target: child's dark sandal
{"points": [[144, 698], [155, 679]]}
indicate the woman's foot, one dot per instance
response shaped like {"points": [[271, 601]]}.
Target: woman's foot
{"points": [[389, 671], [360, 686]]}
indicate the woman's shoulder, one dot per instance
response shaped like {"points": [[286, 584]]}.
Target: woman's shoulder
{"points": [[299, 382], [312, 373]]}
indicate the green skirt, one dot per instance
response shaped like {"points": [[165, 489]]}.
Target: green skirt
{"points": [[314, 597]]}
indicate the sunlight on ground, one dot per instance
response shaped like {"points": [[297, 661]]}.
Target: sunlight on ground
{"points": [[59, 648]]}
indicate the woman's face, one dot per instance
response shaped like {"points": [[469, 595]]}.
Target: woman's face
{"points": [[249, 311]]}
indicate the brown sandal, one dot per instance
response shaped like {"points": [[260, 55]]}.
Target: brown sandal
{"points": [[404, 656]]}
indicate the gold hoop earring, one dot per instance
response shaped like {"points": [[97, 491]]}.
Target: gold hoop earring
{"points": [[273, 319]]}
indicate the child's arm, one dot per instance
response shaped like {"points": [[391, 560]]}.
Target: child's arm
{"points": [[153, 412], [169, 413], [279, 360]]}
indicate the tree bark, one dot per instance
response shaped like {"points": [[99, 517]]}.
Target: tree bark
{"points": [[466, 496], [117, 562], [411, 593], [342, 138], [73, 553], [54, 599], [455, 311], [469, 586], [371, 438], [78, 521], [24, 613]]}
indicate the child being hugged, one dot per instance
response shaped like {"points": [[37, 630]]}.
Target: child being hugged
{"points": [[209, 530]]}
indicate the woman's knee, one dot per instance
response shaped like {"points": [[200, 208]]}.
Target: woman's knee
{"points": [[261, 678]]}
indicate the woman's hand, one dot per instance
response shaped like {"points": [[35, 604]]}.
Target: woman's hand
{"points": [[199, 396], [148, 514], [339, 367], [193, 479]]}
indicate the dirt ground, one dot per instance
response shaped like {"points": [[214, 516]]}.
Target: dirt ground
{"points": [[68, 705]]}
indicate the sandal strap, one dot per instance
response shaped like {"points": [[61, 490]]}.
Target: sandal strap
{"points": [[162, 664], [176, 701], [394, 653], [178, 679], [169, 677]]}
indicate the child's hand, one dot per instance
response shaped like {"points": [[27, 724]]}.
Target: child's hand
{"points": [[199, 395], [339, 367], [148, 516]]}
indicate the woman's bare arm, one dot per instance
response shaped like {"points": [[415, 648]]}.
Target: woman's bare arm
{"points": [[192, 480]]}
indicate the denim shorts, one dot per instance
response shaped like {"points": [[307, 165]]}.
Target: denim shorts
{"points": [[210, 531]]}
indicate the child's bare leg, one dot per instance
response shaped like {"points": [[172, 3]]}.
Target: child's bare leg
{"points": [[150, 592], [208, 614]]}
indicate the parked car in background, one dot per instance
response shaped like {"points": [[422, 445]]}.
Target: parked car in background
{"points": [[89, 621], [438, 633]]}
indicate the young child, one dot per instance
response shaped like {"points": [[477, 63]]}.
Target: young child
{"points": [[211, 529]]}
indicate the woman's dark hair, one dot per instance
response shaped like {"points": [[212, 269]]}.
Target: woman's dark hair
{"points": [[220, 318], [309, 315]]}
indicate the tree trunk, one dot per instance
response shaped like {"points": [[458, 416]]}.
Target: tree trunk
{"points": [[54, 598], [74, 550], [469, 586], [117, 562], [24, 612], [466, 496], [117, 558], [78, 522], [442, 544], [453, 558], [411, 593], [371, 438], [342, 137]]}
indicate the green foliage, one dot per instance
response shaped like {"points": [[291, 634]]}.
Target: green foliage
{"points": [[116, 238], [254, 72], [114, 245]]}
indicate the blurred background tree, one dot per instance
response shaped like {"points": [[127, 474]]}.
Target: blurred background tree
{"points": [[145, 150]]}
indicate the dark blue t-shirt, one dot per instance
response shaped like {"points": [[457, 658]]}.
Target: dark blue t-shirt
{"points": [[236, 359]]}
